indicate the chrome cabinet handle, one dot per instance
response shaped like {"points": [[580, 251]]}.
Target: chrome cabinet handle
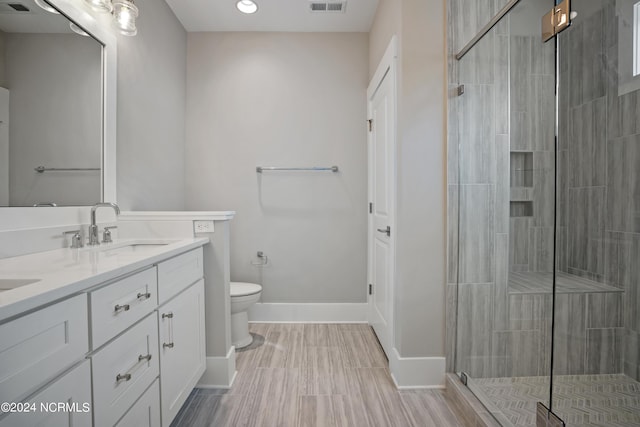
{"points": [[385, 230], [144, 296], [121, 377], [147, 358], [118, 308], [170, 344]]}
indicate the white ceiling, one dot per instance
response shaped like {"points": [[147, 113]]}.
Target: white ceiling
{"points": [[272, 15]]}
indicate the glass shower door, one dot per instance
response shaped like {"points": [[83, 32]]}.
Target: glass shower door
{"points": [[597, 326], [505, 190]]}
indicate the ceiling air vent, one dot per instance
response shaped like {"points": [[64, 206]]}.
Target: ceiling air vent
{"points": [[13, 7], [332, 7]]}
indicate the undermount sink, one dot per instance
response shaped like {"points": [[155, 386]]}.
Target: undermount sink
{"points": [[132, 248], [8, 284]]}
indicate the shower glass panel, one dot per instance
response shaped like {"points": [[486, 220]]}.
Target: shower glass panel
{"points": [[506, 190], [547, 202], [597, 326]]}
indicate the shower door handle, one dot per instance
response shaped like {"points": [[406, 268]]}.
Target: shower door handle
{"points": [[385, 230]]}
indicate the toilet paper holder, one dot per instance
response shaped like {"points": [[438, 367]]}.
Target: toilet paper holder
{"points": [[264, 260]]}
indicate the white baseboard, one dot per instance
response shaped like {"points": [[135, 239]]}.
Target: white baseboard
{"points": [[220, 371], [309, 312], [417, 372]]}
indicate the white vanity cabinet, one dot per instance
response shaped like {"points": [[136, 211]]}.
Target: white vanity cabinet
{"points": [[182, 348], [39, 346], [127, 352], [64, 403], [146, 411]]}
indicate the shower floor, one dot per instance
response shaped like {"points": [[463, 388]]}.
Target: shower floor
{"points": [[580, 400]]}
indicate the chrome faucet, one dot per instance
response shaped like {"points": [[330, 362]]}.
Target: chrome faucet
{"points": [[93, 228]]}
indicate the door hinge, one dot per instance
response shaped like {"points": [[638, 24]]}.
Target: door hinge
{"points": [[557, 20], [370, 289], [460, 90], [370, 207], [370, 122]]}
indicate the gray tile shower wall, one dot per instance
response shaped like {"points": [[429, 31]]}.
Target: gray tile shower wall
{"points": [[599, 197], [501, 332]]}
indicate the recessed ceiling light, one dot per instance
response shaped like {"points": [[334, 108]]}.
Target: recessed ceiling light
{"points": [[247, 6], [46, 6]]}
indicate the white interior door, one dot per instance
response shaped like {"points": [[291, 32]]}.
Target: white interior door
{"points": [[382, 147]]}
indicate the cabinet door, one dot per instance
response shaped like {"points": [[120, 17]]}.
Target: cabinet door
{"points": [[182, 348], [64, 403], [146, 411]]}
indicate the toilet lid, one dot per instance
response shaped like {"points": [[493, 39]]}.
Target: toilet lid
{"points": [[242, 289]]}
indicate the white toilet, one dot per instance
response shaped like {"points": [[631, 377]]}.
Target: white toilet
{"points": [[243, 296]]}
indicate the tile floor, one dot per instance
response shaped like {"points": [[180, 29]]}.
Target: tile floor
{"points": [[580, 400], [315, 375]]}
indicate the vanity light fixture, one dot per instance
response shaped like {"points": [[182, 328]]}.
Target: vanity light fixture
{"points": [[100, 5], [46, 6], [125, 14], [247, 6]]}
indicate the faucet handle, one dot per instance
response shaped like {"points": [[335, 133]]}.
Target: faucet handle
{"points": [[76, 239], [106, 235]]}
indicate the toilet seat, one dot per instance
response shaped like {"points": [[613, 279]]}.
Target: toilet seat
{"points": [[243, 289]]}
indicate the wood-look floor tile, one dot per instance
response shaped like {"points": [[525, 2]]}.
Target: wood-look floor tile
{"points": [[274, 351], [321, 335], [313, 375], [273, 398], [206, 410], [429, 408], [323, 372], [330, 411], [380, 398], [295, 345], [361, 350]]}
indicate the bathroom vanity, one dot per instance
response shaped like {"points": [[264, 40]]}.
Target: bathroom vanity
{"points": [[107, 335]]}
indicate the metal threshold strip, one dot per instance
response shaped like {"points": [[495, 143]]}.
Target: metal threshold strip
{"points": [[486, 28]]}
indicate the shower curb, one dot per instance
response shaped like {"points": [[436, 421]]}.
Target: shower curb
{"points": [[469, 408]]}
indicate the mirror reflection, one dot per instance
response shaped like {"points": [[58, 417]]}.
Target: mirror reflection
{"points": [[50, 108]]}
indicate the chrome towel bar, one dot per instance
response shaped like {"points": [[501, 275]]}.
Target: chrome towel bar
{"points": [[260, 169], [41, 169]]}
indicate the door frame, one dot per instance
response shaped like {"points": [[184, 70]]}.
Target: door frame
{"points": [[386, 68]]}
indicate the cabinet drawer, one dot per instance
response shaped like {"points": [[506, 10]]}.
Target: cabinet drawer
{"points": [[37, 347], [178, 273], [72, 389], [119, 305], [146, 411], [123, 370]]}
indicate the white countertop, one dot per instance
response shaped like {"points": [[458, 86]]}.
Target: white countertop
{"points": [[65, 272]]}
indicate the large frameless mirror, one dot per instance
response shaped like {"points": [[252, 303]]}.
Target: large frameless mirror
{"points": [[52, 107]]}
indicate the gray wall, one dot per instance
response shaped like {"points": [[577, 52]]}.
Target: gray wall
{"points": [[3, 71], [151, 111], [283, 99], [420, 243], [55, 104]]}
